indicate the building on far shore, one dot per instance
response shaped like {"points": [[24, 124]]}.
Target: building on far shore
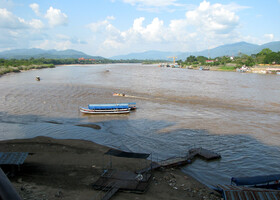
{"points": [[210, 61], [80, 59]]}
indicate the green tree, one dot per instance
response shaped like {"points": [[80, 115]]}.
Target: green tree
{"points": [[201, 59], [265, 51], [272, 58], [224, 60], [249, 61], [191, 59], [260, 57]]}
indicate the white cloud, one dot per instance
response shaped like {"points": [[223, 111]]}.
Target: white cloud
{"points": [[9, 21], [203, 26], [152, 32], [108, 43], [102, 26], [213, 19], [52, 44], [269, 36], [17, 32], [35, 8], [56, 17], [72, 40], [36, 24], [98, 26]]}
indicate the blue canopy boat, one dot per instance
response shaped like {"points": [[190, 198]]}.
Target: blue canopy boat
{"points": [[108, 108]]}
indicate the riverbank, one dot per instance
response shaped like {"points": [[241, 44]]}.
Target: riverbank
{"points": [[11, 69], [66, 169], [258, 69]]}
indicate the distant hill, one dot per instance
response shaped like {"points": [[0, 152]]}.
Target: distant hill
{"points": [[40, 53], [147, 55], [224, 50]]}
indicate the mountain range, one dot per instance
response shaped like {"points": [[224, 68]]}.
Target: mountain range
{"points": [[40, 53], [224, 50]]}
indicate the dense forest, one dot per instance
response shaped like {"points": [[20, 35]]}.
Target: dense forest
{"points": [[266, 56]]}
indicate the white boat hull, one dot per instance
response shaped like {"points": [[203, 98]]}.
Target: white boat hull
{"points": [[113, 111]]}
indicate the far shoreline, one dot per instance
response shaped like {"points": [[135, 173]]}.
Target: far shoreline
{"points": [[259, 69]]}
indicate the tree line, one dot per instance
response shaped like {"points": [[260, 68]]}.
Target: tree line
{"points": [[266, 56], [16, 65]]}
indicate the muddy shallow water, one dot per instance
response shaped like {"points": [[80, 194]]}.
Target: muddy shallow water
{"points": [[234, 114]]}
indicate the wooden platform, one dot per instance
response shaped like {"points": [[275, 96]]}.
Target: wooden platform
{"points": [[181, 161]]}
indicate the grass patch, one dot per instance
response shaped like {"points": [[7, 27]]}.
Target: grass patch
{"points": [[227, 68]]}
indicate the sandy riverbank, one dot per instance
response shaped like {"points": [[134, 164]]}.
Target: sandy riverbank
{"points": [[65, 169]]}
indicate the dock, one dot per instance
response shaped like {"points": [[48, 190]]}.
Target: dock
{"points": [[112, 180], [181, 161]]}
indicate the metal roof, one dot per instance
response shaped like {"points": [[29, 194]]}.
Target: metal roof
{"points": [[231, 192], [255, 179], [107, 106], [12, 158]]}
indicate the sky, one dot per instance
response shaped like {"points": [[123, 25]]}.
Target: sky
{"points": [[116, 27]]}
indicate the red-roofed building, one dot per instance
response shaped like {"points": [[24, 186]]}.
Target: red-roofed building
{"points": [[210, 61]]}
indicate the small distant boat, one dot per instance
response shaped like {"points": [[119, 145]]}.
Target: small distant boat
{"points": [[119, 94], [204, 68], [38, 78], [243, 69], [123, 108]]}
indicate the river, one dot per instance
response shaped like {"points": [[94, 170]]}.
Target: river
{"points": [[234, 114]]}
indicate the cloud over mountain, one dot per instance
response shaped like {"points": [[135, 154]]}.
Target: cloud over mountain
{"points": [[209, 21], [56, 17], [115, 27]]}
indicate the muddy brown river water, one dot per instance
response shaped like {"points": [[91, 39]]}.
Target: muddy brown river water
{"points": [[234, 114]]}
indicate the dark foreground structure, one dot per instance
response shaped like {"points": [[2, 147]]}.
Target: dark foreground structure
{"points": [[10, 162], [113, 180], [231, 192]]}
